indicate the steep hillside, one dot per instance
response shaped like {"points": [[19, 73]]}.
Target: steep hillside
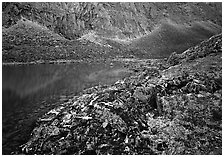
{"points": [[125, 20], [170, 37], [140, 29]]}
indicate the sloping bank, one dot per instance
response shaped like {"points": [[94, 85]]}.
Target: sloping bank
{"points": [[174, 107]]}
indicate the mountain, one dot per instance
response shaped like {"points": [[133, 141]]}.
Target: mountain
{"points": [[127, 26], [124, 20], [28, 41]]}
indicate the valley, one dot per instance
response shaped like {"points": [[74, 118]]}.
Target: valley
{"points": [[112, 78]]}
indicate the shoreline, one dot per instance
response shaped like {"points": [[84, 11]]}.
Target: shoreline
{"points": [[66, 61]]}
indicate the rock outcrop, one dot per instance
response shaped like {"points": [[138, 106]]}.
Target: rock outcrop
{"points": [[166, 107]]}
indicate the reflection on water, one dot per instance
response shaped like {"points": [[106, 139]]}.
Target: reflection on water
{"points": [[30, 90], [107, 75]]}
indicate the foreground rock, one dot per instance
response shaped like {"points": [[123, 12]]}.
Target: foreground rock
{"points": [[161, 109]]}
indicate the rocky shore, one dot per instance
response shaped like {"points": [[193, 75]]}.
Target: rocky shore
{"points": [[171, 106]]}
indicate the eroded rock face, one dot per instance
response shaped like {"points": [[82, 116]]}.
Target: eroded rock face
{"points": [[114, 20], [176, 110]]}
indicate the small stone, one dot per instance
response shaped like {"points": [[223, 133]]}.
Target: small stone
{"points": [[127, 149], [105, 123]]}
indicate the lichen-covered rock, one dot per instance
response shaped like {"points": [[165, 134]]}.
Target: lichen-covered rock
{"points": [[173, 59]]}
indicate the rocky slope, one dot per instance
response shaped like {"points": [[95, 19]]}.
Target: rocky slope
{"points": [[127, 27], [73, 20], [169, 107]]}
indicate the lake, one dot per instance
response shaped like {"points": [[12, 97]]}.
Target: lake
{"points": [[28, 91]]}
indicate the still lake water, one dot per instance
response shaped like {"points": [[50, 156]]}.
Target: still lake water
{"points": [[28, 91]]}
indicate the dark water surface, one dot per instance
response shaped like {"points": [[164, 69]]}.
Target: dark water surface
{"points": [[28, 91]]}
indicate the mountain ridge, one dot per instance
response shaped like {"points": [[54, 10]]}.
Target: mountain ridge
{"points": [[134, 19]]}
